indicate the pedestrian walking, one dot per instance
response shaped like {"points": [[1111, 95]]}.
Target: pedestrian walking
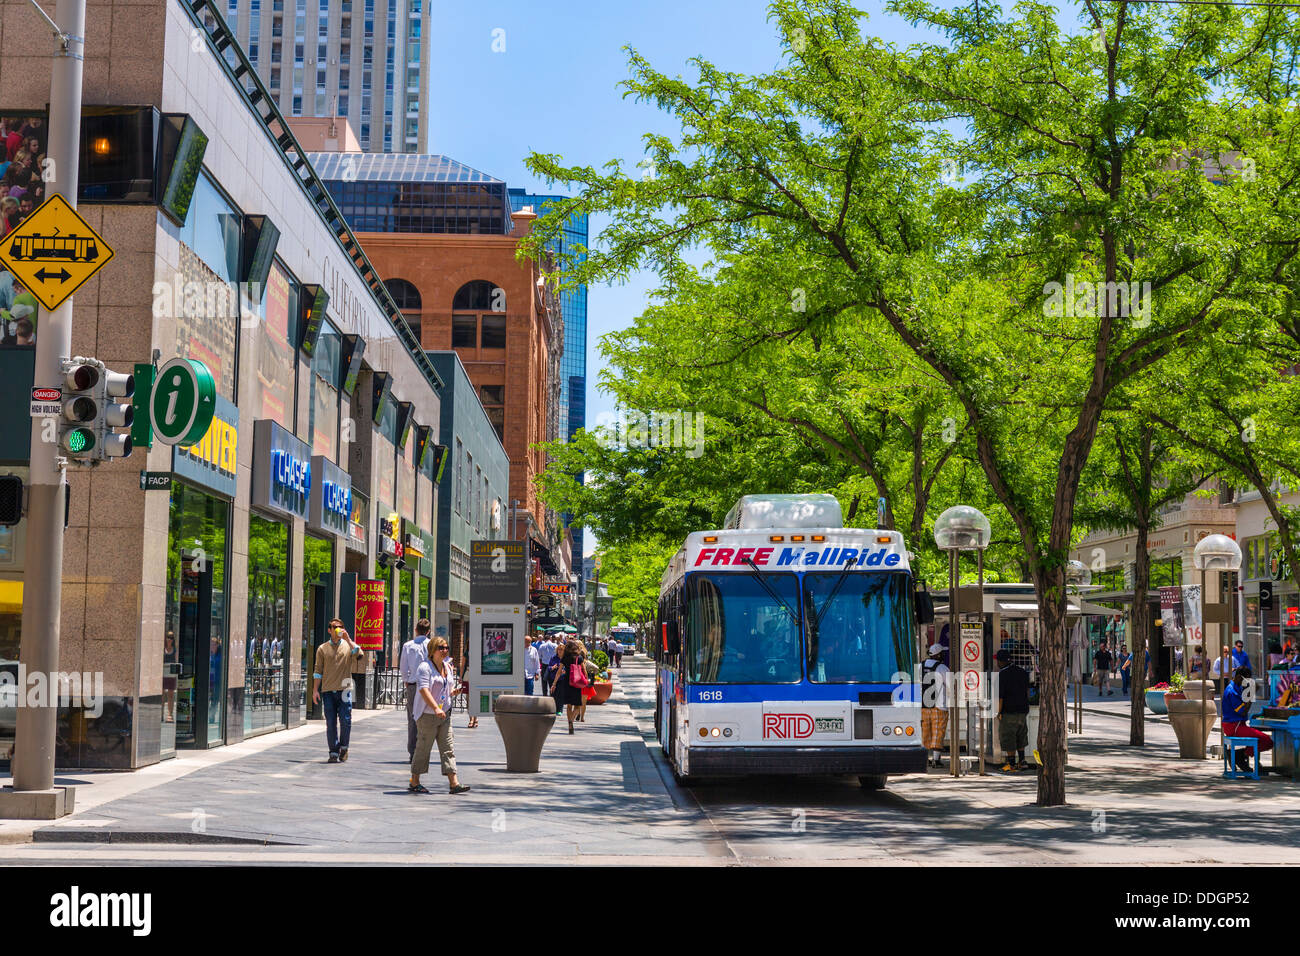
{"points": [[464, 689], [1102, 662], [532, 665], [1013, 712], [545, 654], [570, 680], [1222, 669], [1236, 711], [436, 680], [413, 652], [588, 692], [615, 652], [934, 703], [332, 686], [1239, 656], [552, 679], [1125, 668]]}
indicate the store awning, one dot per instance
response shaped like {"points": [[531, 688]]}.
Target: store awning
{"points": [[11, 597]]}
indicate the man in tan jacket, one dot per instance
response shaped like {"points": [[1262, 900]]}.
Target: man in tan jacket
{"points": [[332, 677]]}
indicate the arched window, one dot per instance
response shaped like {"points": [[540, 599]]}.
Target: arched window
{"points": [[479, 296], [407, 297], [479, 316]]}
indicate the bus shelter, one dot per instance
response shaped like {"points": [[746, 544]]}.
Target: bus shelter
{"points": [[1012, 621]]}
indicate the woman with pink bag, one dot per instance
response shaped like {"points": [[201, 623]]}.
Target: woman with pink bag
{"points": [[571, 680]]}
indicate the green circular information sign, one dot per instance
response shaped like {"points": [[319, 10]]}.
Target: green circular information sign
{"points": [[182, 402]]}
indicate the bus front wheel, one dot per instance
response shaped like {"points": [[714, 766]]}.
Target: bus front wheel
{"points": [[872, 781]]}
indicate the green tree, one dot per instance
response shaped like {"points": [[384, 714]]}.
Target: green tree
{"points": [[835, 169]]}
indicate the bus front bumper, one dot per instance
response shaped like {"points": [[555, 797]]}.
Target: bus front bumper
{"points": [[737, 761]]}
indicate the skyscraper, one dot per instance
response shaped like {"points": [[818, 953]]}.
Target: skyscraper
{"points": [[308, 57], [573, 363]]}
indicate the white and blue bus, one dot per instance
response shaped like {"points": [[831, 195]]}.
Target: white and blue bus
{"points": [[785, 641]]}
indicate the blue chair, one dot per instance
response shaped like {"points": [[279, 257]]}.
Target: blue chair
{"points": [[1230, 745]]}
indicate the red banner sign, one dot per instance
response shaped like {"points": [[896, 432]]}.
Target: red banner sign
{"points": [[370, 615]]}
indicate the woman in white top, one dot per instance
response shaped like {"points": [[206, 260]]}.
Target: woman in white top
{"points": [[435, 680]]}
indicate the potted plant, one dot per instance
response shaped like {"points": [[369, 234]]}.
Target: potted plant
{"points": [[1155, 697]]}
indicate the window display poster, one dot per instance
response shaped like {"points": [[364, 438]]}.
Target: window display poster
{"points": [[370, 615], [498, 648]]}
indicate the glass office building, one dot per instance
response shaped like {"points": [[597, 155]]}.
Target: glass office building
{"points": [[421, 194], [573, 363]]}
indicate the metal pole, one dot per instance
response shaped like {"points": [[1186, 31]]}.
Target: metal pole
{"points": [[954, 664], [1205, 642], [33, 760], [986, 685]]}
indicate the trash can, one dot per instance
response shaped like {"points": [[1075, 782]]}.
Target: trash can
{"points": [[524, 722]]}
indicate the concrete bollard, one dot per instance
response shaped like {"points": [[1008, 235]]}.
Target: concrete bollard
{"points": [[524, 722]]}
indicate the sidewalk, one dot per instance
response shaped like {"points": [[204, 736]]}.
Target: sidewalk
{"points": [[599, 795]]}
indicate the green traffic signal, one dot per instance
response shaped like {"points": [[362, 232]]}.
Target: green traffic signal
{"points": [[78, 441]]}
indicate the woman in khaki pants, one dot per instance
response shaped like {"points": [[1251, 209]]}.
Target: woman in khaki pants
{"points": [[435, 680]]}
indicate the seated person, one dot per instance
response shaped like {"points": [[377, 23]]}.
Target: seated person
{"points": [[1236, 711]]}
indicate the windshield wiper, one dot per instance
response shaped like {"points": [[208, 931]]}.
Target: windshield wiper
{"points": [[816, 617], [771, 591]]}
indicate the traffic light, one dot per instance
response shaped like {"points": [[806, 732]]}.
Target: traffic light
{"points": [[90, 414], [80, 409]]}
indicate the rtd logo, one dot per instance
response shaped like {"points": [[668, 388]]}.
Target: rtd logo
{"points": [[787, 726]]}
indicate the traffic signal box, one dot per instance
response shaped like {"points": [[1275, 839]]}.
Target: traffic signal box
{"points": [[91, 412]]}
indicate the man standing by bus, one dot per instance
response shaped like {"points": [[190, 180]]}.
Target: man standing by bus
{"points": [[934, 703]]}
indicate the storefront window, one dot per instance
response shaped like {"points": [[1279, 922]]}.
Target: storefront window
{"points": [[317, 605], [268, 355], [194, 638], [406, 480], [203, 295], [405, 607], [268, 625], [425, 603], [12, 540], [325, 394]]}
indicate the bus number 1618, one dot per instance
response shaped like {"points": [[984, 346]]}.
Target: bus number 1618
{"points": [[710, 695]]}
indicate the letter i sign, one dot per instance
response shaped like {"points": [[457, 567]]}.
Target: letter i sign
{"points": [[183, 402]]}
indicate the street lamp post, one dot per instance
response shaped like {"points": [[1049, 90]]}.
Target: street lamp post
{"points": [[1215, 552], [1077, 575], [960, 528]]}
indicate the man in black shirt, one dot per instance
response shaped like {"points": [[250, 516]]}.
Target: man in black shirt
{"points": [[1101, 662], [1013, 712]]}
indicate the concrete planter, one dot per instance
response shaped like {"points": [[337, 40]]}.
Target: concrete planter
{"points": [[523, 722], [1156, 702], [1190, 727]]}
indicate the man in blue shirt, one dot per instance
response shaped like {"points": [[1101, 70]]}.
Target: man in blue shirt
{"points": [[1239, 658], [1237, 698]]}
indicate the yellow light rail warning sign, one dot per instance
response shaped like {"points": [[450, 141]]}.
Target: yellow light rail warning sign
{"points": [[53, 251]]}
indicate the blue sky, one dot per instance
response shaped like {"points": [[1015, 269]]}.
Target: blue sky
{"points": [[555, 89]]}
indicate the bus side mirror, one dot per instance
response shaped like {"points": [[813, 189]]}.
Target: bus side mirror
{"points": [[924, 608]]}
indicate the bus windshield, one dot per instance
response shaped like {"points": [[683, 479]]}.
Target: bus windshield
{"points": [[738, 634], [864, 632]]}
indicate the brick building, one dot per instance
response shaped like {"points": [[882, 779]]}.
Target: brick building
{"points": [[443, 237]]}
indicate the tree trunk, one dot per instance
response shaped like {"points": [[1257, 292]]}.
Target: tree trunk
{"points": [[1049, 586], [1139, 635]]}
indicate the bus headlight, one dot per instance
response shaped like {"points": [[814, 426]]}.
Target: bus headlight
{"points": [[704, 731], [885, 730], [716, 732]]}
